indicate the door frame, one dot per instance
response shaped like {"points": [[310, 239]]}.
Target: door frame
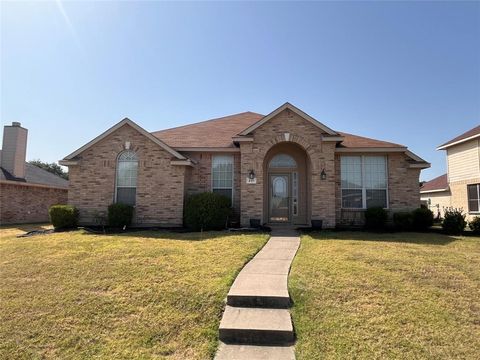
{"points": [[288, 175]]}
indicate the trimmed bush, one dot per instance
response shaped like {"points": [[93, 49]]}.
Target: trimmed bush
{"points": [[120, 215], [403, 221], [375, 218], [474, 225], [207, 211], [454, 221], [422, 219], [63, 216]]}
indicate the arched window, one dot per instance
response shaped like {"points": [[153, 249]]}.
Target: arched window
{"points": [[126, 184], [282, 161]]}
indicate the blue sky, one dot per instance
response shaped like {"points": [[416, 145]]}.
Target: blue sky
{"points": [[407, 72]]}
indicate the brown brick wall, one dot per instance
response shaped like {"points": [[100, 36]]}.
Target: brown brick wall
{"points": [[199, 178], [160, 185], [320, 155], [403, 189], [28, 204]]}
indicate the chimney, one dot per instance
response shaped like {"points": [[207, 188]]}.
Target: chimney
{"points": [[14, 149]]}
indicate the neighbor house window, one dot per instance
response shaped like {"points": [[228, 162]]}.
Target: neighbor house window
{"points": [[363, 181], [222, 175], [127, 168], [473, 197]]}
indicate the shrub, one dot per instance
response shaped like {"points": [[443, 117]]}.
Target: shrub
{"points": [[422, 219], [207, 211], [63, 216], [474, 225], [403, 221], [375, 218], [120, 215], [454, 221]]}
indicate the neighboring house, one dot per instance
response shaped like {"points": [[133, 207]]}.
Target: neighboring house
{"points": [[460, 186], [285, 167], [26, 191]]}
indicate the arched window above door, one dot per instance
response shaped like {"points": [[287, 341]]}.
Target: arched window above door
{"points": [[282, 161]]}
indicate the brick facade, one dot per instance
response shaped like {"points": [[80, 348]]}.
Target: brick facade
{"points": [[459, 196], [160, 185], [320, 155], [27, 203], [403, 189]]}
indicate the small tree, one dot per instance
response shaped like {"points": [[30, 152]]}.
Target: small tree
{"points": [[454, 221], [53, 168]]}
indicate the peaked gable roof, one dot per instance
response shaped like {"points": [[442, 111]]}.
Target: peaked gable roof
{"points": [[209, 133], [440, 183], [297, 111], [468, 135], [126, 121]]}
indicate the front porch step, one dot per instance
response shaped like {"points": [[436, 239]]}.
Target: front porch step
{"points": [[256, 326], [259, 290], [254, 352]]}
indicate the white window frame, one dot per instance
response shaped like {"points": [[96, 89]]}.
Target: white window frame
{"points": [[116, 177], [233, 175], [478, 200], [364, 189]]}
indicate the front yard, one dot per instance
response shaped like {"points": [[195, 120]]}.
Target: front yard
{"points": [[141, 295], [384, 296]]}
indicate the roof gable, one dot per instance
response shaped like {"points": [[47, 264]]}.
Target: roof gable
{"points": [[132, 124], [440, 183], [466, 136], [294, 109]]}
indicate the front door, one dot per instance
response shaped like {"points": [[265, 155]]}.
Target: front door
{"points": [[279, 201]]}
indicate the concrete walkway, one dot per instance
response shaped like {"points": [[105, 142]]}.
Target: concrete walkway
{"points": [[256, 323]]}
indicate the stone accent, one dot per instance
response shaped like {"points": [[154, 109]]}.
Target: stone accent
{"points": [[27, 203], [160, 185], [320, 154]]}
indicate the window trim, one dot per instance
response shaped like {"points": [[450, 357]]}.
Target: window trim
{"points": [[116, 176], [364, 189], [233, 175], [478, 199]]}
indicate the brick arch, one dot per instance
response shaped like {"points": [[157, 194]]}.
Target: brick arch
{"points": [[299, 140]]}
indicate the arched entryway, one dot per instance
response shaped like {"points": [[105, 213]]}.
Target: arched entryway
{"points": [[287, 194]]}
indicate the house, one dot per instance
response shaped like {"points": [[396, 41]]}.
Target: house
{"points": [[285, 167], [460, 186], [26, 191]]}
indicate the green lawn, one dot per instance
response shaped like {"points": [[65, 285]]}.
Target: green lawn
{"points": [[385, 296], [137, 296]]}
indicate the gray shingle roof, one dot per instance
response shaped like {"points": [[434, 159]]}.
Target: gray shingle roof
{"points": [[35, 175]]}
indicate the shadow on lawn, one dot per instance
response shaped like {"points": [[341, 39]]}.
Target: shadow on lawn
{"points": [[400, 237], [171, 235]]}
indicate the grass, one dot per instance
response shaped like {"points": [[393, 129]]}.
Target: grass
{"points": [[145, 295], [384, 296]]}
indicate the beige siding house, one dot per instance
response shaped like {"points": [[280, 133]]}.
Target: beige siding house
{"points": [[282, 168], [460, 187]]}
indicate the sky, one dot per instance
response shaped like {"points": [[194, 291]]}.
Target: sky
{"points": [[406, 72]]}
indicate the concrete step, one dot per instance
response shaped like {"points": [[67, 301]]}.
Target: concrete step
{"points": [[254, 352], [256, 326], [259, 290]]}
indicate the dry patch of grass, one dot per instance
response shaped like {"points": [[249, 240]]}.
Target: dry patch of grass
{"points": [[14, 230], [139, 295], [376, 296]]}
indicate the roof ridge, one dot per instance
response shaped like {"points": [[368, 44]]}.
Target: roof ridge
{"points": [[209, 120]]}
